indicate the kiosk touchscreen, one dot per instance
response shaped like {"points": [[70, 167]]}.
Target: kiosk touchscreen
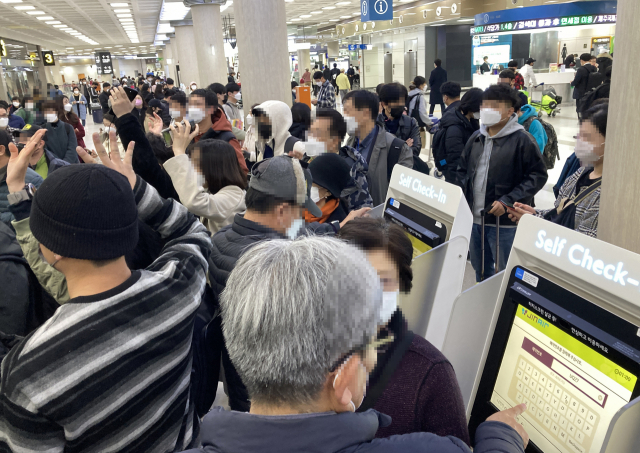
{"points": [[573, 363], [424, 232]]}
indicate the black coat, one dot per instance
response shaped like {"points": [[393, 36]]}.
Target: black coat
{"points": [[516, 170], [14, 280], [436, 79], [299, 130], [140, 114], [327, 74], [408, 128], [449, 142], [581, 80], [104, 101]]}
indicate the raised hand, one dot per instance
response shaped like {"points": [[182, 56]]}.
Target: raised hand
{"points": [[114, 161], [182, 136], [120, 103], [19, 161], [156, 127]]}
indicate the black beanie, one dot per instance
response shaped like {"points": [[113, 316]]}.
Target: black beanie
{"points": [[86, 212], [332, 172]]}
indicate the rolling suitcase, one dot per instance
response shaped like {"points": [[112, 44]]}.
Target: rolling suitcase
{"points": [[97, 116], [483, 214]]}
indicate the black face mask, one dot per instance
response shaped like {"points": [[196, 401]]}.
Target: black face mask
{"points": [[396, 112], [264, 130]]}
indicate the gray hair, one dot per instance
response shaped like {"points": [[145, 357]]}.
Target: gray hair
{"points": [[292, 309]]}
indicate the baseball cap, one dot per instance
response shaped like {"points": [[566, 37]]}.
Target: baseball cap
{"points": [[29, 130], [530, 60], [284, 178]]}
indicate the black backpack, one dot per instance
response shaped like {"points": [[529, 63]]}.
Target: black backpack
{"points": [[594, 80], [584, 103], [394, 156], [550, 154], [415, 113]]}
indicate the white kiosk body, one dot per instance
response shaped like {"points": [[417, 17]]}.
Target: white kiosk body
{"points": [[438, 271], [560, 334]]}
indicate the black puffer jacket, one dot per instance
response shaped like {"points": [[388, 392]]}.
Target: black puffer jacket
{"points": [[230, 243], [449, 141]]}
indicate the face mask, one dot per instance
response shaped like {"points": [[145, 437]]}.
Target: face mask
{"points": [[249, 120], [200, 181], [196, 114], [4, 122], [174, 113], [315, 194], [238, 96], [76, 92], [313, 147], [44, 260], [193, 87], [264, 131], [28, 106], [364, 390], [319, 84], [389, 305], [51, 117], [352, 124], [138, 102], [109, 129], [396, 112], [67, 107], [476, 115], [584, 152], [490, 117], [292, 231], [16, 104]]}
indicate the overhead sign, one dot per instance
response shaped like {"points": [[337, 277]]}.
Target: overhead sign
{"points": [[47, 58], [357, 46], [372, 10], [103, 63], [552, 22]]}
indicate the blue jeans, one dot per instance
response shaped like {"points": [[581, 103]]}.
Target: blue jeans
{"points": [[475, 249]]}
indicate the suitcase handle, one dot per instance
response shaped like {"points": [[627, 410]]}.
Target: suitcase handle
{"points": [[483, 214]]}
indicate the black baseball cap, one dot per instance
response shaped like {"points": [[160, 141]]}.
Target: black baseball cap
{"points": [[29, 130]]}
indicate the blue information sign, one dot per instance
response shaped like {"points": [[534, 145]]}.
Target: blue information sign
{"points": [[372, 10]]}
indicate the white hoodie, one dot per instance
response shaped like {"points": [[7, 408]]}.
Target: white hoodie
{"points": [[281, 120]]}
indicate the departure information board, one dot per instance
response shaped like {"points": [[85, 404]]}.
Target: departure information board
{"points": [[589, 19]]}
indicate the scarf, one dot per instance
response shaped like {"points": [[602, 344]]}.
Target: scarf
{"points": [[327, 210]]}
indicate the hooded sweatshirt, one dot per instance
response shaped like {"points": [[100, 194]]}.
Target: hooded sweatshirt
{"points": [[220, 123], [422, 107], [280, 117], [536, 129], [482, 170]]}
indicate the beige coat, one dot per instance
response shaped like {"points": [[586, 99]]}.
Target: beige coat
{"points": [[216, 210]]}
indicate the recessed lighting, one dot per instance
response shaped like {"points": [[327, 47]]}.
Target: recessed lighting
{"points": [[329, 7], [296, 20], [119, 45], [52, 22], [466, 20], [345, 17], [305, 16], [121, 11], [44, 18], [126, 20], [10, 1], [124, 15], [334, 20], [318, 12], [119, 5], [35, 13], [24, 8]]}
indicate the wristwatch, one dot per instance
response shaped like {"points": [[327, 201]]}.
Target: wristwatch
{"points": [[25, 194]]}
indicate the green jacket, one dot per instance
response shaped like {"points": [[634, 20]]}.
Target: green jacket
{"points": [[50, 279], [26, 115]]}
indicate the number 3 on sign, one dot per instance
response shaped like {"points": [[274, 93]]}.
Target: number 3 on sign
{"points": [[48, 58]]}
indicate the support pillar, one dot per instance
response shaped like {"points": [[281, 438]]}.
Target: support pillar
{"points": [[42, 71], [169, 63], [115, 65], [185, 52], [619, 201], [304, 62], [263, 50], [333, 49], [207, 30]]}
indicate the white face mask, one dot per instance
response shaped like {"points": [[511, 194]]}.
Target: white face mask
{"points": [[238, 96], [476, 115], [319, 84], [315, 194], [68, 107], [4, 122], [200, 179], [16, 104], [28, 106], [174, 113], [584, 152], [193, 87], [389, 305], [292, 231], [364, 390], [352, 124], [76, 92], [196, 114], [249, 120], [51, 117], [313, 147], [109, 129], [490, 117]]}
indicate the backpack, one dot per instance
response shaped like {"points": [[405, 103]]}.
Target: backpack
{"points": [[550, 153], [415, 113], [594, 80], [394, 156], [584, 103]]}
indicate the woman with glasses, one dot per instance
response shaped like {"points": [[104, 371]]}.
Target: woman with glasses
{"points": [[299, 319]]}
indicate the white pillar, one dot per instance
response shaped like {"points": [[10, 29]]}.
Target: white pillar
{"points": [[304, 61], [207, 30], [185, 52], [333, 49], [169, 62], [263, 50]]}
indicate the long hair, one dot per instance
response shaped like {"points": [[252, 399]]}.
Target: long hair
{"points": [[68, 117], [219, 165]]}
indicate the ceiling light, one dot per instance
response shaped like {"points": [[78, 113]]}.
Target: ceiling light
{"points": [[35, 13], [119, 5], [124, 15], [466, 20], [318, 12], [345, 17], [329, 7], [348, 3], [119, 45], [126, 19], [305, 16], [24, 8], [288, 1], [44, 18], [121, 11], [165, 28], [296, 20], [60, 26], [173, 11], [334, 20], [10, 1], [52, 22], [107, 47], [226, 5]]}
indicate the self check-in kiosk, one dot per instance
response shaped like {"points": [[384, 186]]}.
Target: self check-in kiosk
{"points": [[561, 335], [438, 222]]}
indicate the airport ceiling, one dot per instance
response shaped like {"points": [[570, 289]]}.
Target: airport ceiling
{"points": [[133, 26]]}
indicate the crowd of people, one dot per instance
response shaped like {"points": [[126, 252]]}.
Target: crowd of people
{"points": [[194, 238]]}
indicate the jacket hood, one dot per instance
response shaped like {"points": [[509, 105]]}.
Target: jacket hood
{"points": [[509, 128], [328, 432], [415, 91], [219, 121], [280, 117], [527, 112], [455, 117]]}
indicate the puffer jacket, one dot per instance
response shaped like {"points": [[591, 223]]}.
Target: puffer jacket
{"points": [[226, 432], [31, 177], [448, 143], [535, 128]]}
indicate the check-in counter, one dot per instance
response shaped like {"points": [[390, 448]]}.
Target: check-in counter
{"points": [[561, 81]]}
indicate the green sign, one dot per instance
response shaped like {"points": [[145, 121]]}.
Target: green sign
{"points": [[533, 24]]}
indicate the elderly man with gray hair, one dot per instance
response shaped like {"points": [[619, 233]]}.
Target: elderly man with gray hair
{"points": [[301, 339]]}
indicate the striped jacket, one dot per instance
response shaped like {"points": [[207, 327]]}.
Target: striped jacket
{"points": [[111, 372], [586, 210]]}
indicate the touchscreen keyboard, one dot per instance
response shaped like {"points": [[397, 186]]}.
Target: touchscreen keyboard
{"points": [[555, 405]]}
